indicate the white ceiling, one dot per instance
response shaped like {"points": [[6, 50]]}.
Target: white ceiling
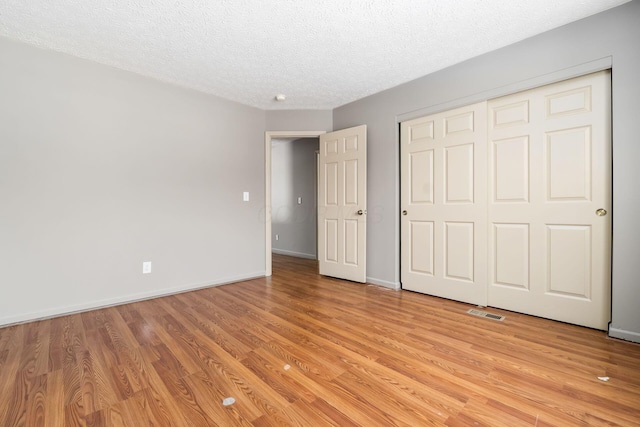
{"points": [[320, 53]]}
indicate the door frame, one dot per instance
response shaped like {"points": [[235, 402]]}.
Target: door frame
{"points": [[268, 136]]}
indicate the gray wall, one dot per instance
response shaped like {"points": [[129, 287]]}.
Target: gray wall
{"points": [[289, 120], [101, 170], [613, 35], [293, 175]]}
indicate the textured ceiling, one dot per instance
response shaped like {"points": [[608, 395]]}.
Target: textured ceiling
{"points": [[320, 53]]}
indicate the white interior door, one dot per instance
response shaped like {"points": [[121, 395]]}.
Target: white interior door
{"points": [[444, 204], [342, 204], [550, 169]]}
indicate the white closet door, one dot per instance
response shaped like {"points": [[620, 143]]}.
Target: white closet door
{"points": [[444, 204], [550, 201]]}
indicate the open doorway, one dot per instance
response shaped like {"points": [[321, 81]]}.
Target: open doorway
{"points": [[284, 216], [293, 197]]}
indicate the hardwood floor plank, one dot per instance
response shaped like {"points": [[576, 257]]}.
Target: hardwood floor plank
{"points": [[225, 321], [88, 385], [319, 409], [15, 402], [167, 364], [96, 419], [53, 399], [173, 335], [357, 355], [215, 333], [209, 397], [133, 370], [273, 376], [74, 415], [184, 398], [558, 397], [244, 380], [56, 350], [404, 404], [161, 409]]}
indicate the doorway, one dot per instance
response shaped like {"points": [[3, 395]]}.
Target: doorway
{"points": [[294, 196], [269, 213]]}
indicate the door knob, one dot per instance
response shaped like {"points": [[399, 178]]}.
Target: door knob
{"points": [[361, 212], [404, 212], [601, 212]]}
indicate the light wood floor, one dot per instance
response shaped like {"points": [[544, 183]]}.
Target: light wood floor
{"points": [[356, 355]]}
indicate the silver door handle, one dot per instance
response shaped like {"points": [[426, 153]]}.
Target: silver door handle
{"points": [[601, 212]]}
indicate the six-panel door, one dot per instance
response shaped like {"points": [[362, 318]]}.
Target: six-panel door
{"points": [[443, 163], [550, 173], [342, 204]]}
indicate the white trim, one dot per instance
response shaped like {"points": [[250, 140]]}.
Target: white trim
{"points": [[268, 136], [624, 335], [292, 253], [109, 302], [545, 79], [384, 283]]}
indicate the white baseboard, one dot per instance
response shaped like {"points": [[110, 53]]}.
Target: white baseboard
{"points": [[624, 335], [386, 284], [109, 302], [292, 253]]}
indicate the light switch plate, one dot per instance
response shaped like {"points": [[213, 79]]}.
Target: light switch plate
{"points": [[146, 267], [245, 196]]}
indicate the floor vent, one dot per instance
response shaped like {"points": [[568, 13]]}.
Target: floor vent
{"points": [[484, 314]]}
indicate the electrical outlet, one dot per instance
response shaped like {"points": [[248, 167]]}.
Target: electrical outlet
{"points": [[146, 267], [299, 200], [277, 237]]}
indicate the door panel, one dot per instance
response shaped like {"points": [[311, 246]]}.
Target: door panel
{"points": [[421, 177], [459, 174], [552, 171], [443, 163], [342, 204], [422, 238], [511, 169], [511, 257], [569, 252], [569, 164], [459, 252]]}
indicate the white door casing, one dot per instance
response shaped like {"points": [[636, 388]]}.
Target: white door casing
{"points": [[550, 164], [443, 203], [342, 204]]}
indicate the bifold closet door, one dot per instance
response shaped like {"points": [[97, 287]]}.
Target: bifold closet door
{"points": [[550, 201], [444, 204]]}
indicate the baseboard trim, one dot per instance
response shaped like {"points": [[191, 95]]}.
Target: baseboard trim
{"points": [[624, 335], [110, 302], [386, 284], [292, 253]]}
